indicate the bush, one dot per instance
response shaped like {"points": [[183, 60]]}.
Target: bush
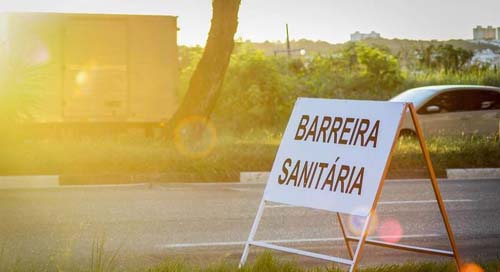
{"points": [[259, 91]]}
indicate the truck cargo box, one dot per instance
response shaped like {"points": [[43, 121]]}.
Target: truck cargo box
{"points": [[98, 67]]}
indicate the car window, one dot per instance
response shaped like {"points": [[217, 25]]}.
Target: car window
{"points": [[489, 100], [447, 102], [463, 100], [471, 100], [475, 100]]}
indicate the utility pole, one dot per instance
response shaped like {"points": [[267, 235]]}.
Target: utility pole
{"points": [[288, 42], [288, 49]]}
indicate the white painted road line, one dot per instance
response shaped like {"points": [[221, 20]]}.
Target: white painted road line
{"points": [[399, 202], [288, 241], [424, 201]]}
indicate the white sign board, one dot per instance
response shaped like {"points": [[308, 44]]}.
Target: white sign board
{"points": [[333, 154]]}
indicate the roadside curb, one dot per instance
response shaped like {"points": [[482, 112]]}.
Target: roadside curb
{"points": [[53, 182], [246, 178], [145, 185], [254, 177], [473, 173], [29, 182]]}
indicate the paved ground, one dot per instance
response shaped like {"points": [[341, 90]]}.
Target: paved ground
{"points": [[203, 222]]}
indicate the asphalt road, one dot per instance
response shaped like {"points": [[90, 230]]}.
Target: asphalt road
{"points": [[209, 222]]}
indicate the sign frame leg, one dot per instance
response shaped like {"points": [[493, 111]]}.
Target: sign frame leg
{"points": [[373, 209], [435, 186], [344, 234], [361, 242], [253, 231]]}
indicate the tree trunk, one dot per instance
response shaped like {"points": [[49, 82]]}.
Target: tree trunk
{"points": [[206, 81]]}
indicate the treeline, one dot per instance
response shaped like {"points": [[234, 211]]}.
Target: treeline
{"points": [[260, 89], [445, 57]]}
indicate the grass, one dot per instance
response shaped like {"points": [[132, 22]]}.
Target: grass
{"points": [[487, 77], [104, 261], [255, 151], [100, 259], [446, 152], [266, 262]]}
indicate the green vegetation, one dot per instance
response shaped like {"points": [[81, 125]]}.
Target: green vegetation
{"points": [[444, 57], [260, 89], [253, 151], [102, 260], [265, 262], [397, 46]]}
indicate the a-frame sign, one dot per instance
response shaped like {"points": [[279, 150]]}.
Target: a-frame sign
{"points": [[334, 156]]}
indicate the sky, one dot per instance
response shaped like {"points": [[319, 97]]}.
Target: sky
{"points": [[327, 20]]}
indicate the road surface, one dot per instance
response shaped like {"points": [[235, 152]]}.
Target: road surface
{"points": [[209, 222]]}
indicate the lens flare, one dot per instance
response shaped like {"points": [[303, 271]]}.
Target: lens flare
{"points": [[195, 137], [81, 78], [390, 231], [355, 224], [39, 54], [471, 267]]}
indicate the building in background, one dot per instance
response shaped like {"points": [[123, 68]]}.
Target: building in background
{"points": [[358, 36], [486, 33], [98, 68]]}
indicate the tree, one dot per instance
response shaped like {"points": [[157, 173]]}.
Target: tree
{"points": [[206, 81], [370, 68], [381, 69], [444, 57]]}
